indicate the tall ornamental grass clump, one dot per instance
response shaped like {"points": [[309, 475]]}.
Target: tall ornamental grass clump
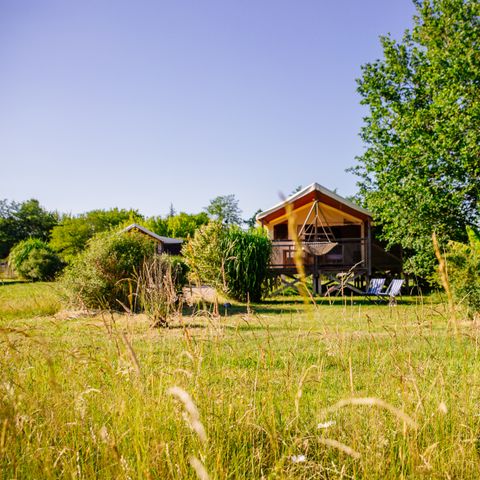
{"points": [[34, 259], [246, 257], [105, 275], [159, 288], [230, 259], [464, 271]]}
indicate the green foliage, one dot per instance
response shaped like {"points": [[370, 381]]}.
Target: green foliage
{"points": [[185, 225], [252, 221], [420, 171], [463, 262], [246, 257], [230, 259], [105, 274], [203, 255], [180, 269], [19, 221], [71, 236], [158, 225], [34, 259], [225, 209], [181, 225]]}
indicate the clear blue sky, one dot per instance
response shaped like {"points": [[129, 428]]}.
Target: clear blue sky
{"points": [[142, 103]]}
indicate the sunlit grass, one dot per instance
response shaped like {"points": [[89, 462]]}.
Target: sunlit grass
{"points": [[88, 397], [25, 300]]}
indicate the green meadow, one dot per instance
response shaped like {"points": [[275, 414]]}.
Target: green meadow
{"points": [[343, 389]]}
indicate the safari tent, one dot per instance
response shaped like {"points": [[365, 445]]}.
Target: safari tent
{"points": [[333, 233]]}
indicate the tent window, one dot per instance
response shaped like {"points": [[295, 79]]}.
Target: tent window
{"points": [[280, 232]]}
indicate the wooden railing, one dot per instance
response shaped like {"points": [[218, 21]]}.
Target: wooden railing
{"points": [[347, 253]]}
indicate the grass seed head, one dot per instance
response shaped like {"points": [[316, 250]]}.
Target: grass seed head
{"points": [[192, 416], [199, 468]]}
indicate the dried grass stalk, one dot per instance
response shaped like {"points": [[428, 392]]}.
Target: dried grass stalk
{"points": [[192, 416], [340, 446], [374, 402], [443, 271], [199, 468]]}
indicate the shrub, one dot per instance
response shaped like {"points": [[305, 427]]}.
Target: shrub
{"points": [[105, 274], [203, 255], [464, 271], [34, 259], [230, 259]]}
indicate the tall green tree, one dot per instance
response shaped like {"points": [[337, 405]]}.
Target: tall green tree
{"points": [[19, 221], [420, 171], [225, 209]]}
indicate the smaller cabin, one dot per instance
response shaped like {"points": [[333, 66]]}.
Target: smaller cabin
{"points": [[172, 246]]}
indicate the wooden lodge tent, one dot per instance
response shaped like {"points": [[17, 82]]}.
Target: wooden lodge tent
{"points": [[168, 245], [335, 236]]}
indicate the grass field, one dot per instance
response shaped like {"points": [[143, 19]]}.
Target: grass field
{"points": [[88, 396]]}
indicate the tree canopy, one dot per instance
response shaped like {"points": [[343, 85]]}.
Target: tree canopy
{"points": [[72, 234], [177, 225], [225, 209], [19, 221], [421, 167]]}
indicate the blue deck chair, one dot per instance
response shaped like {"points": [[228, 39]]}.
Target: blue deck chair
{"points": [[374, 287], [392, 291]]}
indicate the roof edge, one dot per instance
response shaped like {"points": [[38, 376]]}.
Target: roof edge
{"points": [[146, 231], [305, 191]]}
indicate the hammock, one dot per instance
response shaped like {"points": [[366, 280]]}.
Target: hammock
{"points": [[318, 248], [323, 241]]}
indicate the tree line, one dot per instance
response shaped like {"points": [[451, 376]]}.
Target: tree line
{"points": [[67, 235]]}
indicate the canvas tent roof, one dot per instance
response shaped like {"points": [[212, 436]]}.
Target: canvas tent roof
{"points": [[311, 190], [146, 231]]}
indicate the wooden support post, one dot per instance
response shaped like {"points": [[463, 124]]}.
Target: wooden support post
{"points": [[317, 284], [369, 251]]}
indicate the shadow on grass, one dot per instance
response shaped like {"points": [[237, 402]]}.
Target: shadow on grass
{"points": [[281, 305], [6, 282]]}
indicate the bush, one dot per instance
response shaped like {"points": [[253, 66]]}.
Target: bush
{"points": [[230, 259], [34, 259], [203, 255], [463, 262], [105, 275]]}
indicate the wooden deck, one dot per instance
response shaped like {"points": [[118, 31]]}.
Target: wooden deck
{"points": [[349, 255]]}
